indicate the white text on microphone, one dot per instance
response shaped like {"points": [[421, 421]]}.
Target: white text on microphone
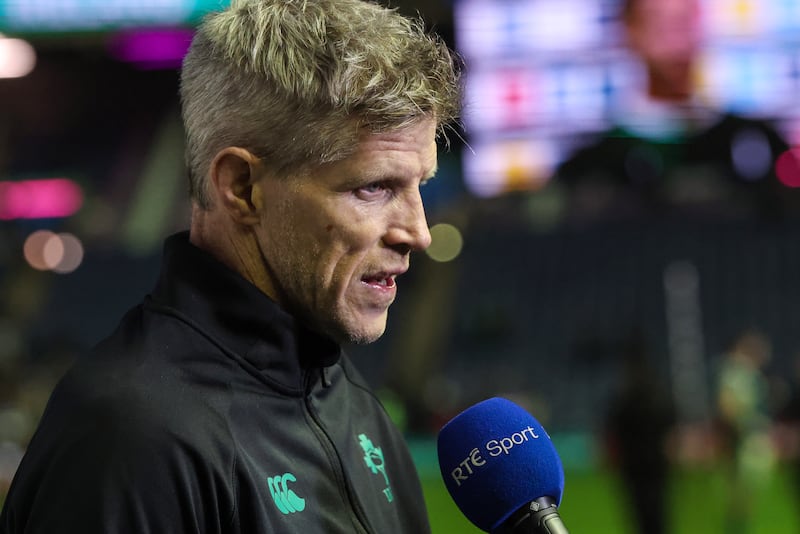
{"points": [[494, 447]]}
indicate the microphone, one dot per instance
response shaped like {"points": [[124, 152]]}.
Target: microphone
{"points": [[502, 470]]}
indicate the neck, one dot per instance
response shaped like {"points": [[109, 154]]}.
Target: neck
{"points": [[671, 82], [233, 245]]}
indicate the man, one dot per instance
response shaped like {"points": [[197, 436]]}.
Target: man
{"points": [[668, 150], [639, 424], [222, 403], [743, 424]]}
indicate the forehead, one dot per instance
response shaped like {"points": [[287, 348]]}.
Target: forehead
{"points": [[656, 6], [416, 136], [413, 147]]}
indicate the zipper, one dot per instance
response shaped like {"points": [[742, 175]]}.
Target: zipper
{"points": [[357, 516], [326, 380]]}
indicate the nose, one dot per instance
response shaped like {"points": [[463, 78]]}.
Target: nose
{"points": [[409, 229]]}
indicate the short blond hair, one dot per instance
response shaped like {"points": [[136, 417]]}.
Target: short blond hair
{"points": [[295, 81]]}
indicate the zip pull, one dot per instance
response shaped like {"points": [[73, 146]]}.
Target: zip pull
{"points": [[326, 380]]}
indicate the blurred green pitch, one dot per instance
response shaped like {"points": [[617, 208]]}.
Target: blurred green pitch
{"points": [[594, 504]]}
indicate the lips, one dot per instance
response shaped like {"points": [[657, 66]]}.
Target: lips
{"points": [[384, 280]]}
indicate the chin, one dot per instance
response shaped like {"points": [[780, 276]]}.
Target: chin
{"points": [[364, 333], [356, 327], [364, 337]]}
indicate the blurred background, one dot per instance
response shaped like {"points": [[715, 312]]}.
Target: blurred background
{"points": [[616, 227]]}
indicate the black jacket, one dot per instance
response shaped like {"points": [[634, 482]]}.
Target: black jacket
{"points": [[727, 168], [211, 410]]}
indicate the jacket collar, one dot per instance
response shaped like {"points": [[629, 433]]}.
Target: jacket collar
{"points": [[238, 316]]}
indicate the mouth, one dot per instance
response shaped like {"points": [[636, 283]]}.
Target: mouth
{"points": [[380, 280]]}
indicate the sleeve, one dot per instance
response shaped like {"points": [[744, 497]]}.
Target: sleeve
{"points": [[109, 473]]}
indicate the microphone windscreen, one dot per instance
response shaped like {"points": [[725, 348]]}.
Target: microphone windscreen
{"points": [[495, 457]]}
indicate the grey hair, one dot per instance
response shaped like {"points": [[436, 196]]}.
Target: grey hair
{"points": [[295, 81]]}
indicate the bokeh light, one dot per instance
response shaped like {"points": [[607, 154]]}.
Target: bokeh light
{"points": [[47, 251], [39, 199], [71, 257], [751, 154], [787, 167], [152, 48], [446, 243], [33, 249], [17, 58]]}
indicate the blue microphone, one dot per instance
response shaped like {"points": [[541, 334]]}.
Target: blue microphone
{"points": [[502, 470]]}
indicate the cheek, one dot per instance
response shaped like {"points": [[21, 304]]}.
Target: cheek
{"points": [[352, 239], [346, 252], [342, 248], [331, 241], [289, 247], [350, 231]]}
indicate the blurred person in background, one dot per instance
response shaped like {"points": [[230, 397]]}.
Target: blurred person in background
{"points": [[13, 422], [223, 402], [668, 150], [640, 419], [787, 428], [743, 417]]}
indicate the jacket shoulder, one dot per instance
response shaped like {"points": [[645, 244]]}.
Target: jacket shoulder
{"points": [[123, 447]]}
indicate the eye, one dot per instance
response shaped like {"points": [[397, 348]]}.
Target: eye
{"points": [[373, 190], [374, 187]]}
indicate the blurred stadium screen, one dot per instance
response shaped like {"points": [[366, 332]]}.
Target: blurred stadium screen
{"points": [[545, 72], [42, 16]]}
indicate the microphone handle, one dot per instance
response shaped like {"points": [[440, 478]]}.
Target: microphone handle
{"points": [[538, 517]]}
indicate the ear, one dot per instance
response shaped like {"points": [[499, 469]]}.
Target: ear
{"points": [[233, 173]]}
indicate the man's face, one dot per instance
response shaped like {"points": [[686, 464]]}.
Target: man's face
{"points": [[334, 240], [665, 30]]}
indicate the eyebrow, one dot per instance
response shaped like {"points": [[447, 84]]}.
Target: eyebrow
{"points": [[373, 174]]}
